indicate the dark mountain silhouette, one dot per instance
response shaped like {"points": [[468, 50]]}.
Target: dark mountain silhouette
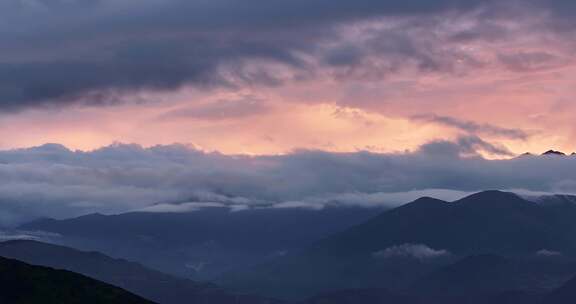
{"points": [[204, 243], [554, 153], [430, 233], [134, 277], [21, 283]]}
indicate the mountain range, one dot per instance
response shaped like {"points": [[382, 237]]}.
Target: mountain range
{"points": [[489, 247], [399, 246], [473, 280], [204, 243]]}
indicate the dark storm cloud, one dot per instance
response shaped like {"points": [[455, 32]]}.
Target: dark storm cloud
{"points": [[139, 66], [96, 51], [53, 181]]}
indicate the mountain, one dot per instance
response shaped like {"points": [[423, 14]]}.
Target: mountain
{"points": [[557, 199], [21, 283], [153, 285], [478, 274], [563, 295], [384, 296], [547, 153], [554, 153], [492, 274], [566, 294], [364, 296], [204, 243], [485, 222], [399, 246]]}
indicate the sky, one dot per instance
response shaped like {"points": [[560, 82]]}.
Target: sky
{"points": [[255, 82], [270, 77]]}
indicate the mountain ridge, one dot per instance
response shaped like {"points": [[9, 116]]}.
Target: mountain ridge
{"points": [[423, 235], [22, 283], [136, 278]]}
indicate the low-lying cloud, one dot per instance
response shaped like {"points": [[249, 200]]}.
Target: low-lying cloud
{"points": [[11, 235], [548, 253], [52, 181], [415, 251]]}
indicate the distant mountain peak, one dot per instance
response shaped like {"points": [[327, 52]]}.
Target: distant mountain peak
{"points": [[488, 200], [494, 200], [554, 153], [423, 203], [490, 195], [547, 153], [428, 200]]}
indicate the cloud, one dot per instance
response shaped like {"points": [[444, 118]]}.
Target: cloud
{"points": [[222, 110], [11, 235], [180, 207], [370, 200], [416, 251], [52, 181], [473, 127], [548, 253], [118, 49], [464, 145], [529, 61]]}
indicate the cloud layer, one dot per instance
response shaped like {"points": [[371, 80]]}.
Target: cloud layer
{"points": [[97, 51], [53, 181]]}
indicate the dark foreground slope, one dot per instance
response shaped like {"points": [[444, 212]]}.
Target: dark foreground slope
{"points": [[151, 284], [21, 283]]}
